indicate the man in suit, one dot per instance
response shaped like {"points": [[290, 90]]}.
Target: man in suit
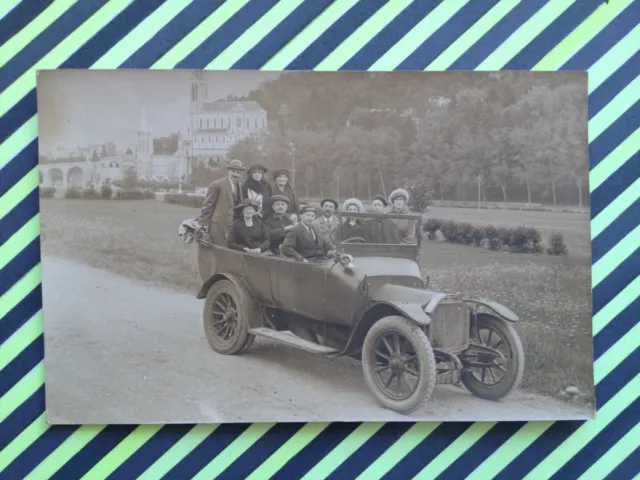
{"points": [[217, 214], [327, 223], [279, 222], [303, 242]]}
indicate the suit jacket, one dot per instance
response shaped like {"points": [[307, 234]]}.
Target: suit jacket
{"points": [[275, 226], [287, 192], [299, 244], [241, 236], [406, 229], [217, 210], [327, 228]]}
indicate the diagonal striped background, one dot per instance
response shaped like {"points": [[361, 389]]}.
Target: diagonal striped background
{"points": [[594, 35]]}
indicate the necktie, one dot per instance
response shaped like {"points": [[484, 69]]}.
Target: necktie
{"points": [[312, 233], [236, 190]]}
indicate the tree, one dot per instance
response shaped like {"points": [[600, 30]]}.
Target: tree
{"points": [[420, 190], [130, 180], [94, 157], [247, 150], [103, 153], [128, 152]]}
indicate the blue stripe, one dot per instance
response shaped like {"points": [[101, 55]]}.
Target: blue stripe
{"points": [[19, 216], [486, 45], [316, 450], [21, 417], [601, 443], [629, 468], [557, 31], [606, 39], [43, 43], [620, 277], [617, 183], [608, 140], [612, 86], [286, 30], [617, 378], [335, 35], [370, 450], [17, 168], [22, 364], [616, 328], [172, 33], [226, 34], [148, 453], [17, 115], [446, 35], [260, 451], [20, 265], [208, 449], [21, 313], [616, 231], [390, 35], [20, 17], [427, 450], [92, 452]]}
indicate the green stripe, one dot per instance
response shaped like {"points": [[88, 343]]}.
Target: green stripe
{"points": [[614, 109], [19, 290], [614, 456], [612, 162], [7, 6], [615, 256], [587, 431], [140, 35], [308, 35], [472, 35], [233, 451], [509, 450], [121, 452], [19, 240], [20, 443], [343, 450], [615, 56], [398, 450], [67, 47], [199, 34], [253, 35], [524, 35], [22, 390], [621, 301], [177, 452], [455, 450], [361, 36], [65, 451], [614, 209], [16, 343], [616, 354], [21, 39], [18, 192], [417, 35], [578, 38], [288, 450], [18, 140]]}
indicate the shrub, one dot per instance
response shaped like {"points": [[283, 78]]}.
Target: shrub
{"points": [[431, 226], [494, 243], [47, 192], [72, 192], [129, 195], [106, 191], [149, 194], [420, 192], [90, 193], [519, 240], [504, 234], [477, 235], [448, 229], [464, 233], [557, 245], [182, 199]]}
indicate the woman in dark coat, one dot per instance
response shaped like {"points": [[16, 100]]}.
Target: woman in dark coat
{"points": [[380, 230], [282, 187], [352, 226], [256, 188], [248, 233]]}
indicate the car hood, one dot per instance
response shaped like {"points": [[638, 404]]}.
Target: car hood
{"points": [[386, 267]]}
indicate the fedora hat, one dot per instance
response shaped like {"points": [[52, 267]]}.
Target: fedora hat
{"points": [[247, 203], [236, 164]]}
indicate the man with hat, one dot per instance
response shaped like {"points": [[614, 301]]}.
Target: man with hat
{"points": [[399, 199], [279, 222], [327, 223], [217, 215], [303, 242], [282, 187]]}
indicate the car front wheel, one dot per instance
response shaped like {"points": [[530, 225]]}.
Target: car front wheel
{"points": [[398, 364]]}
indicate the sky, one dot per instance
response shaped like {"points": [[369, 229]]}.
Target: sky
{"points": [[96, 106]]}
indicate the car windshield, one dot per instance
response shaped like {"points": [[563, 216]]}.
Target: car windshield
{"points": [[378, 228]]}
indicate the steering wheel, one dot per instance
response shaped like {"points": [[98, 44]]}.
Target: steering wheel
{"points": [[354, 240]]}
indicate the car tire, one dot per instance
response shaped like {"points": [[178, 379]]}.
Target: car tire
{"points": [[510, 379], [379, 370], [226, 318]]}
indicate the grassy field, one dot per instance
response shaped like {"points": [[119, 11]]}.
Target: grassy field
{"points": [[139, 239]]}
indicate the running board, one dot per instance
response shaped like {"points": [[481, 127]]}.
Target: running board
{"points": [[290, 339]]}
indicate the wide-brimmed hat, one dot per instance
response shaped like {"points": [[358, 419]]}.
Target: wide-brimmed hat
{"points": [[399, 192], [247, 203], [353, 201], [281, 171], [235, 164], [257, 166], [381, 198], [279, 198], [335, 204], [306, 208]]}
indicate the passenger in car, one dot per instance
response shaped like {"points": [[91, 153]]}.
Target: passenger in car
{"points": [[256, 188], [304, 242], [407, 228], [279, 222], [248, 233], [282, 187], [352, 226], [327, 223], [380, 230]]}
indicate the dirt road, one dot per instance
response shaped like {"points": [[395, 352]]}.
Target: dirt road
{"points": [[118, 351]]}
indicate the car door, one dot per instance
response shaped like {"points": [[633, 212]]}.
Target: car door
{"points": [[310, 284]]}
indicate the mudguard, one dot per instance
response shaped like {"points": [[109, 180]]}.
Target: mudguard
{"points": [[494, 307], [409, 301], [243, 289]]}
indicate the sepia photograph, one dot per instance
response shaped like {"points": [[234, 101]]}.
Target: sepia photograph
{"points": [[300, 246]]}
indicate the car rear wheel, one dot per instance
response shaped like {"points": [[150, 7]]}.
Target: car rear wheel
{"points": [[398, 364], [493, 376], [226, 321]]}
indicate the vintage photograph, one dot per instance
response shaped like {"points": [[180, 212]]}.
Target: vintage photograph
{"points": [[258, 246]]}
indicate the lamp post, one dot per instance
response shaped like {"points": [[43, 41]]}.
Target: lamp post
{"points": [[293, 165]]}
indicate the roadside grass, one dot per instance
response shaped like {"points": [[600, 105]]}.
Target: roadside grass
{"points": [[552, 296]]}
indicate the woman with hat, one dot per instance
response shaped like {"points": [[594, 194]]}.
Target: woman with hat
{"points": [[380, 230], [256, 188], [352, 226], [282, 187], [248, 233], [399, 199]]}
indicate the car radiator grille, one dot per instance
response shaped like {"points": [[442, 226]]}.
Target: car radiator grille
{"points": [[449, 329]]}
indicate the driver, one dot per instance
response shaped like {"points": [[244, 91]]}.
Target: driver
{"points": [[304, 242]]}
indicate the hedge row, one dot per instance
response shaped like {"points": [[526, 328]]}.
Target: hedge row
{"points": [[519, 240], [182, 199], [47, 192], [106, 192]]}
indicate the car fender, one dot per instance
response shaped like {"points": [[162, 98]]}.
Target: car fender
{"points": [[412, 310], [495, 308], [240, 285]]}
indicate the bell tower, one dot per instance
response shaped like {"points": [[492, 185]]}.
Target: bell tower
{"points": [[199, 93], [144, 146]]}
